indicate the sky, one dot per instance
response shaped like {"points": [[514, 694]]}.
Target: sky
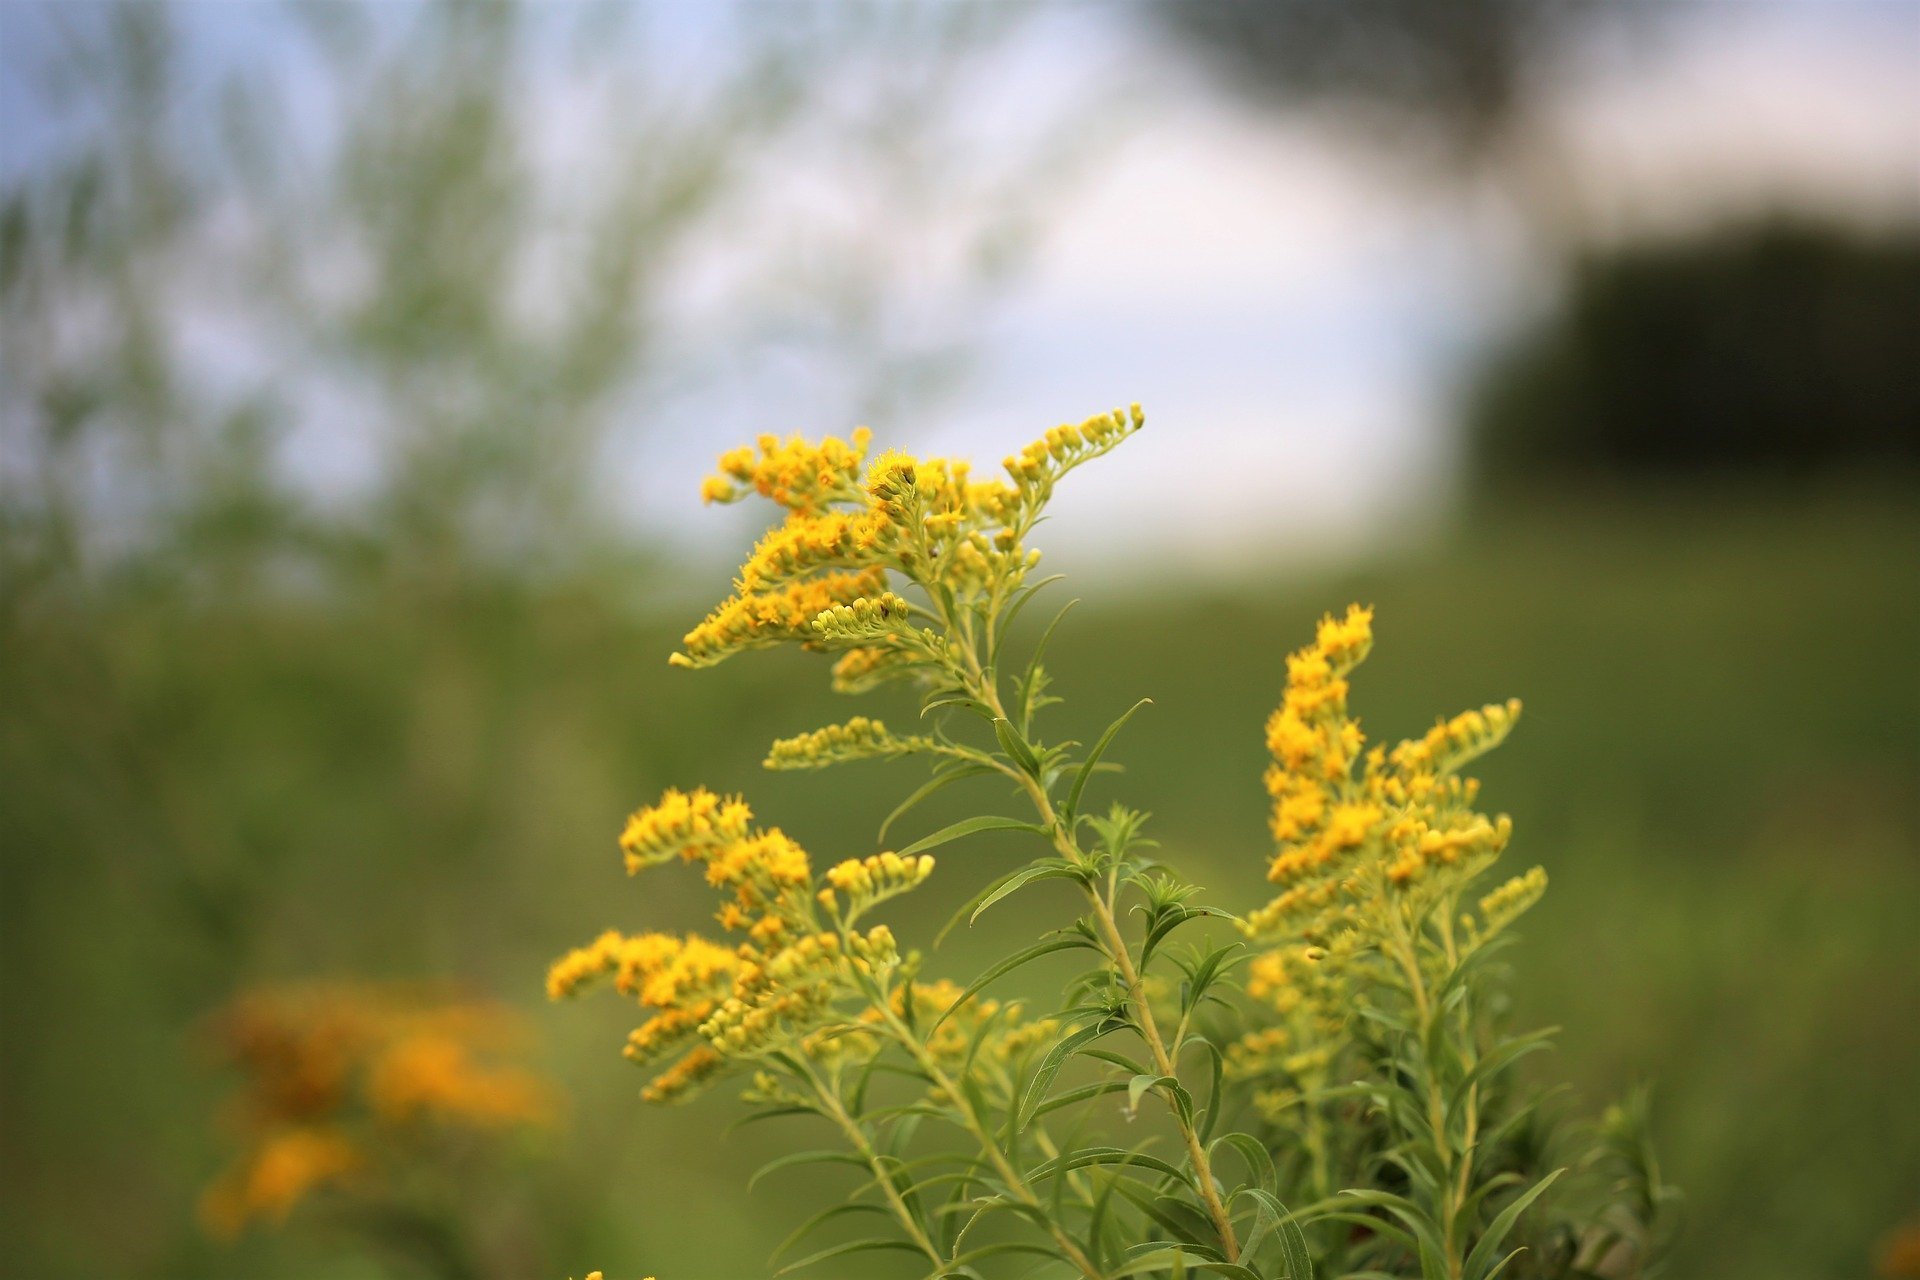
{"points": [[1293, 311]]}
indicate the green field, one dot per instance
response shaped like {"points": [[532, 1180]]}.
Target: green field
{"points": [[1718, 768]]}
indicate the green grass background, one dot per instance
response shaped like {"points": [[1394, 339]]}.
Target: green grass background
{"points": [[1717, 766]]}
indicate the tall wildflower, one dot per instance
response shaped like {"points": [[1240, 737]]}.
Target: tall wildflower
{"points": [[1359, 1057]]}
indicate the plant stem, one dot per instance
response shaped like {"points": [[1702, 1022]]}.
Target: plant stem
{"points": [[971, 1121], [837, 1112], [1117, 951], [1453, 1192]]}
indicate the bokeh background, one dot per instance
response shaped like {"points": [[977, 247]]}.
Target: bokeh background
{"points": [[361, 361]]}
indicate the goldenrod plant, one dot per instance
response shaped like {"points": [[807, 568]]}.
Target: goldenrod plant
{"points": [[365, 1104], [1334, 1097]]}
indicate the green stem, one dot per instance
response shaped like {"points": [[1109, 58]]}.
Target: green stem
{"points": [[1122, 958], [970, 1120], [1457, 1167], [883, 1178]]}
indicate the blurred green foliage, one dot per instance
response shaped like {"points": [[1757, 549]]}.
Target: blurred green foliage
{"points": [[1782, 348], [1456, 77], [1715, 768]]}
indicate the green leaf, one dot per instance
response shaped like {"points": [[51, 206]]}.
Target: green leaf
{"points": [[1170, 1259], [1505, 1055], [1020, 599], [962, 701], [1028, 687], [771, 1113], [973, 906], [1202, 973], [1218, 1074], [967, 827], [841, 1250], [1258, 1160], [1183, 1232], [1105, 1156], [1072, 805], [820, 1219], [1421, 1231], [994, 1250], [1050, 1067], [1080, 1094], [1043, 948], [1138, 1086], [1018, 881], [1294, 1254], [1120, 1060], [938, 781], [1016, 746], [804, 1157], [1482, 1256]]}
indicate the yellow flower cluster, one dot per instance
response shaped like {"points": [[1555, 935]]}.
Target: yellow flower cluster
{"points": [[861, 669], [1304, 986], [772, 990], [336, 1078], [863, 621], [867, 881], [926, 519], [683, 824], [767, 871], [760, 620], [1342, 812], [1066, 446], [1281, 1051], [1510, 901], [811, 543], [282, 1170], [858, 739], [777, 1002], [682, 979], [797, 475]]}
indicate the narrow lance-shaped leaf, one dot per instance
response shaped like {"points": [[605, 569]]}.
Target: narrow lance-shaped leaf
{"points": [[842, 1250], [1004, 967], [1072, 805], [967, 827], [1016, 747], [1482, 1257], [940, 780], [972, 906]]}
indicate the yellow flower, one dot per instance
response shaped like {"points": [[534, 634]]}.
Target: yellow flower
{"points": [[434, 1075], [776, 987], [282, 1171], [797, 475], [857, 739], [323, 1060], [926, 519], [781, 615], [1339, 807], [682, 824], [867, 881]]}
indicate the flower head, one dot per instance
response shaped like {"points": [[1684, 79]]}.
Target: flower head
{"points": [[331, 1072]]}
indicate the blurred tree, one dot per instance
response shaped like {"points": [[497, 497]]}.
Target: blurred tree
{"points": [[393, 287], [1451, 75], [321, 323], [1777, 347], [1454, 88]]}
